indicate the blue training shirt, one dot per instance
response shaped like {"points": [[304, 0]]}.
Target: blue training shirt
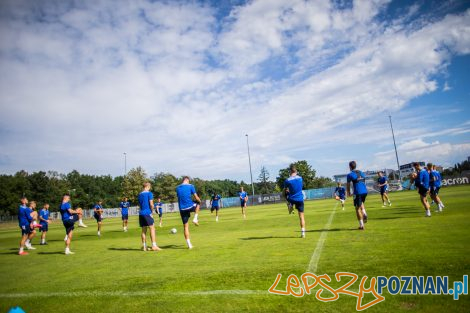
{"points": [[341, 191], [44, 214], [24, 215], [423, 179], [144, 203], [358, 180], [215, 200], [125, 207], [295, 185], [434, 179], [159, 207], [242, 195], [185, 199], [64, 207]]}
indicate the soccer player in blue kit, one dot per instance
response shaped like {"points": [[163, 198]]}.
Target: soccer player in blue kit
{"points": [[44, 222], [294, 185], [340, 194], [382, 183], [185, 193], [25, 222], [357, 178], [145, 217], [421, 181], [124, 206], [159, 210], [215, 205], [69, 217], [98, 215], [434, 186], [243, 200]]}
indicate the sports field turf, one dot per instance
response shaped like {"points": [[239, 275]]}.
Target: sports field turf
{"points": [[235, 262]]}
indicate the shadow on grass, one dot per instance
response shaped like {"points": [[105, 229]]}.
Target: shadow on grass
{"points": [[268, 237], [11, 252], [328, 230], [140, 249], [56, 252]]}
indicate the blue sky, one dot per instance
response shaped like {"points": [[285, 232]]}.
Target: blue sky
{"points": [[177, 85]]}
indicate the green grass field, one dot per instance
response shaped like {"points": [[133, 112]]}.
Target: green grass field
{"points": [[235, 262]]}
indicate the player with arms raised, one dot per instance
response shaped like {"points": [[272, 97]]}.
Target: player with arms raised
{"points": [[382, 183], [185, 193], [421, 181], [243, 200], [340, 194], [215, 205], [357, 178], [293, 192], [145, 217]]}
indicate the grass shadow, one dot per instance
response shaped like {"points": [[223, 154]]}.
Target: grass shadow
{"points": [[125, 249], [56, 252], [328, 230], [11, 252], [268, 237]]}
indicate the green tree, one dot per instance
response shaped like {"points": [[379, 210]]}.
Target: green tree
{"points": [[133, 183], [304, 169], [264, 185], [165, 186]]}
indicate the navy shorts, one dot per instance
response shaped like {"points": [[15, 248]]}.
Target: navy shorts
{"points": [[145, 220], [98, 217], [26, 230], [186, 214], [383, 190], [299, 205], [434, 191], [359, 200], [125, 217], [422, 191], [215, 207], [242, 203], [44, 227], [160, 214], [69, 224]]}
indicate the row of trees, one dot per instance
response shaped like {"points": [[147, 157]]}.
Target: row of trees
{"points": [[86, 190], [457, 169]]}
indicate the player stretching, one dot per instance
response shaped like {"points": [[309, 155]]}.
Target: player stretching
{"points": [[185, 191], [340, 194], [44, 221], [215, 205], [243, 200], [293, 185], [145, 217], [98, 215], [383, 185], [434, 186], [124, 205], [69, 217], [159, 210], [35, 217], [357, 178], [421, 180], [25, 221]]}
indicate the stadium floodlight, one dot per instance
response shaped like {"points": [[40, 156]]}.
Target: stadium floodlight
{"points": [[251, 172], [125, 163], [395, 145]]}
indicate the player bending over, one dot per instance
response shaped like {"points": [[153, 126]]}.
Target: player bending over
{"points": [[44, 221], [357, 178], [340, 194], [159, 210], [383, 185], [69, 217], [185, 192], [124, 206], [435, 185], [243, 200], [145, 217], [294, 185], [98, 215], [25, 222], [421, 181], [215, 205]]}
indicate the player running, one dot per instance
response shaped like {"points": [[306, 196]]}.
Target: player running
{"points": [[98, 215], [69, 217], [25, 222], [340, 194], [44, 222], [293, 192], [185, 193], [435, 185], [159, 210], [215, 205], [145, 217], [357, 178], [421, 181], [124, 206], [243, 200], [382, 183]]}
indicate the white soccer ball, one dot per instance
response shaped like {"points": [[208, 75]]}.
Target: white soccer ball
{"points": [[173, 231]]}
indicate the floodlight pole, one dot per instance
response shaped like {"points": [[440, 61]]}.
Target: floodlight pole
{"points": [[125, 163], [395, 145], [251, 173]]}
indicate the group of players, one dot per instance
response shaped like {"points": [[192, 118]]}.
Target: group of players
{"points": [[427, 181]]}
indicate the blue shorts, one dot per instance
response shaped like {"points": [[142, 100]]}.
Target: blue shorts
{"points": [[145, 220], [125, 217], [69, 223], [98, 217], [359, 200], [214, 207], [44, 226], [299, 205], [434, 190], [25, 229], [186, 214], [423, 192], [242, 203], [383, 190]]}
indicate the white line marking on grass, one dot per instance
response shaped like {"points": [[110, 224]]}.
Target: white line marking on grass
{"points": [[131, 293], [313, 265]]}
